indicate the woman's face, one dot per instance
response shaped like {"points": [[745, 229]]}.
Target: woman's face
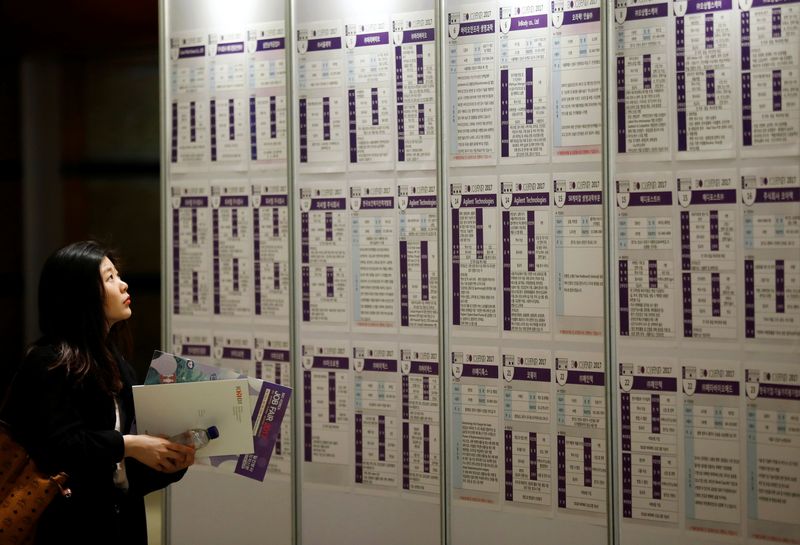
{"points": [[117, 302]]}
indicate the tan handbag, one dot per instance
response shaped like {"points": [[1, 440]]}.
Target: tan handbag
{"points": [[25, 491]]}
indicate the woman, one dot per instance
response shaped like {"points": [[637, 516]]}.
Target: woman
{"points": [[71, 405]]}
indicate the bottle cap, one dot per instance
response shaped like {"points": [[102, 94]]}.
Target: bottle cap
{"points": [[212, 432]]}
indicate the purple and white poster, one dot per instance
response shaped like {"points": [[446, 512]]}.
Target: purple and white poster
{"points": [[188, 102], [370, 111], [266, 107], [645, 242], [321, 101], [771, 239], [418, 231], [526, 233], [471, 99], [705, 76], [228, 115], [709, 238], [414, 42], [473, 252], [373, 251], [642, 85], [231, 250], [270, 205], [190, 231], [524, 73]]}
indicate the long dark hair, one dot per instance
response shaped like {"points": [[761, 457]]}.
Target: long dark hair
{"points": [[72, 316]]}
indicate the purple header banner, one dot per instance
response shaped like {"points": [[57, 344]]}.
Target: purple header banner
{"points": [[656, 384], [375, 38], [324, 44], [422, 202], [591, 15], [232, 353], [717, 387], [191, 52], [276, 355], [779, 391], [372, 203], [768, 3], [230, 48], [479, 371], [637, 13], [476, 28], [329, 204], [195, 350], [478, 201], [789, 194], [194, 202], [424, 368], [270, 44], [536, 374], [274, 200], [331, 362], [530, 199], [714, 196], [704, 6], [584, 197], [232, 201], [587, 378], [529, 22], [651, 198], [419, 35], [380, 365]]}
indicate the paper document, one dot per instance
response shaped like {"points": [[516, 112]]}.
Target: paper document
{"points": [[170, 409]]}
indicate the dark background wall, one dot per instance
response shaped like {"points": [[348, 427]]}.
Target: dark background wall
{"points": [[79, 153]]}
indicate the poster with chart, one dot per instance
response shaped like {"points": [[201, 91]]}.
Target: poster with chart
{"points": [[227, 105], [191, 342], [377, 401], [705, 78], [233, 349], [771, 238], [578, 233], [709, 272], [642, 84], [581, 463], [476, 431], [712, 435], [527, 242], [472, 85], [270, 204], [770, 72], [272, 362], [418, 232], [419, 375], [524, 66], [647, 287], [188, 102], [232, 249], [324, 267], [190, 230], [414, 39], [327, 394], [773, 448], [528, 439], [576, 80], [373, 254], [266, 84], [321, 101], [370, 100], [474, 257]]}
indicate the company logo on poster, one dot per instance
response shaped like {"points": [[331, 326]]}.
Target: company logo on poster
{"points": [[749, 190], [689, 380], [684, 191], [623, 193], [454, 28], [752, 380], [560, 192]]}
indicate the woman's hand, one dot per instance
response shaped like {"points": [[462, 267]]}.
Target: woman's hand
{"points": [[159, 453]]}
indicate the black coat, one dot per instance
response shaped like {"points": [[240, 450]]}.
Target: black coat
{"points": [[70, 427]]}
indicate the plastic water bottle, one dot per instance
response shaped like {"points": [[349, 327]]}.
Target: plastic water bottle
{"points": [[199, 437]]}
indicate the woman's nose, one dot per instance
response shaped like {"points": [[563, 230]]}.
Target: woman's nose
{"points": [[123, 286]]}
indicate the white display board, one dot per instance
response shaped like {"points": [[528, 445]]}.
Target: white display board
{"points": [[503, 321]]}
